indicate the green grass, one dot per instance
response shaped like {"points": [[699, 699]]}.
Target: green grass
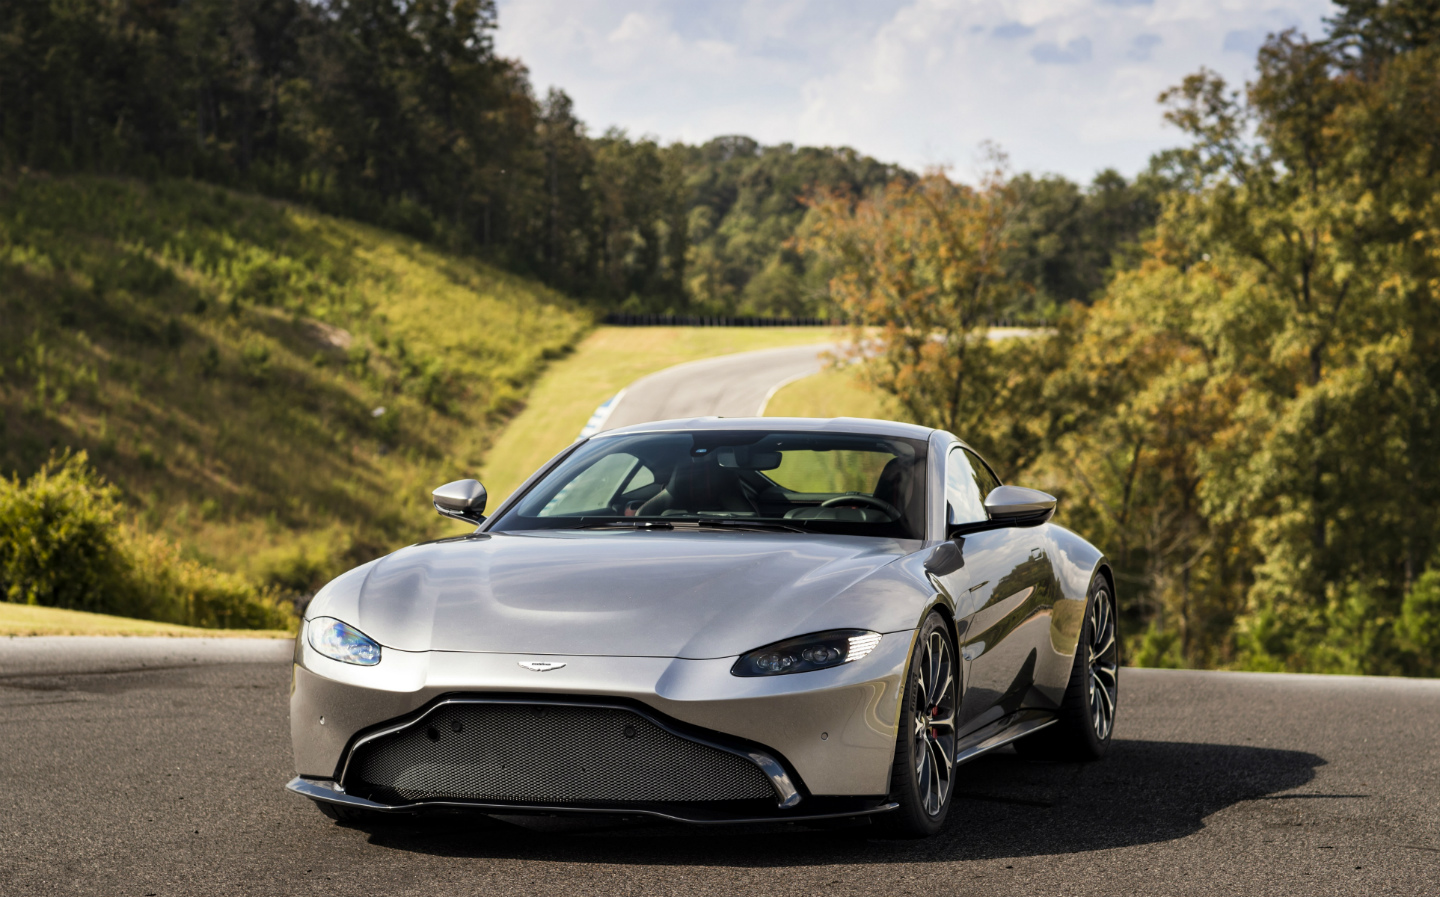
{"points": [[831, 393], [840, 392], [24, 619], [607, 361], [223, 359]]}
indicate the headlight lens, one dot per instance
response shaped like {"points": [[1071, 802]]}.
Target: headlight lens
{"points": [[820, 651], [342, 642]]}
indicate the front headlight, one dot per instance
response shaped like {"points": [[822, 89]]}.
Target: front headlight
{"points": [[820, 651], [342, 642]]}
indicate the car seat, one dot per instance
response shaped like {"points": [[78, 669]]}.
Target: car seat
{"points": [[697, 486]]}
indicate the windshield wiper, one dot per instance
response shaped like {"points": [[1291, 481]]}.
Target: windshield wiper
{"points": [[737, 523], [718, 523]]}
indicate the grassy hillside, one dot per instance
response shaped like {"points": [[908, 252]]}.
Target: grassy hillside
{"points": [[275, 389], [607, 361]]}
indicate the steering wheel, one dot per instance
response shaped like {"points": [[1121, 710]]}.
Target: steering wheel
{"points": [[852, 498]]}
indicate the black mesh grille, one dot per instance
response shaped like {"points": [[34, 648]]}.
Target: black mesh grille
{"points": [[547, 754]]}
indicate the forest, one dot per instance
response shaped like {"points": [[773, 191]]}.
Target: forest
{"points": [[1248, 417], [401, 114], [1237, 392]]}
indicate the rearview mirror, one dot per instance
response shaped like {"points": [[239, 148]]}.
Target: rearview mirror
{"points": [[1018, 506], [462, 499], [742, 458]]}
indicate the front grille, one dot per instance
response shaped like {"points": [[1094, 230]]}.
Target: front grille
{"points": [[547, 753]]}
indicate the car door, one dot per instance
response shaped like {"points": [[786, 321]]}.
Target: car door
{"points": [[1004, 612]]}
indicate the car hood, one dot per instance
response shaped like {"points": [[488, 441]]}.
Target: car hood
{"points": [[632, 593]]}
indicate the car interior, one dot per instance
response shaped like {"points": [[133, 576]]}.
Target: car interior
{"points": [[804, 479], [707, 488]]}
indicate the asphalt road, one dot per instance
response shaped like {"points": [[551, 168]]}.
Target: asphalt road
{"points": [[727, 386], [139, 767]]}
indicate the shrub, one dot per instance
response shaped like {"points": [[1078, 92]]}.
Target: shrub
{"points": [[179, 590], [1420, 622], [57, 537], [1156, 647], [63, 543], [255, 359]]}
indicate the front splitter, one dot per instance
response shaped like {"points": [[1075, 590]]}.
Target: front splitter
{"points": [[327, 791]]}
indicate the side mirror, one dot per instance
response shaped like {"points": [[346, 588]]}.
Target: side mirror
{"points": [[1017, 506], [462, 499]]}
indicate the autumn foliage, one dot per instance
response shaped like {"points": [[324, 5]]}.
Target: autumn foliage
{"points": [[1248, 420], [918, 272]]}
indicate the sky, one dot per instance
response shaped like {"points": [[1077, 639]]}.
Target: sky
{"points": [[1062, 86]]}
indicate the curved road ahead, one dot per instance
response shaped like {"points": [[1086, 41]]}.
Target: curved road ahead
{"points": [[727, 386], [736, 385], [156, 766]]}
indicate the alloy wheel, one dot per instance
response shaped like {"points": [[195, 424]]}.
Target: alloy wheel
{"points": [[934, 749], [1103, 656]]}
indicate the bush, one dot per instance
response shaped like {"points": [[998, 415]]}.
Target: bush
{"points": [[63, 543], [178, 590], [1156, 647], [57, 538], [1420, 622]]}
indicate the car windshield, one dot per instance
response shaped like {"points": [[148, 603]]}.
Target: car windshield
{"points": [[822, 482]]}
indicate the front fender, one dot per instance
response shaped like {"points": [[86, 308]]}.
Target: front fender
{"points": [[1075, 563]]}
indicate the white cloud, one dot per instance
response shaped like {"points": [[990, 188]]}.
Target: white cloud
{"points": [[1075, 52], [1064, 85]]}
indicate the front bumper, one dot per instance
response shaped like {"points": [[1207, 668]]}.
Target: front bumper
{"points": [[329, 792], [836, 729]]}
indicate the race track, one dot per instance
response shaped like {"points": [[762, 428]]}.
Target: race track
{"points": [[156, 767], [727, 386], [736, 385], [140, 768]]}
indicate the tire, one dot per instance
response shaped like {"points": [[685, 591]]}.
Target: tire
{"points": [[1087, 711], [922, 778]]}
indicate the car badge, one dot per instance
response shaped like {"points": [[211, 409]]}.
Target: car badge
{"points": [[540, 666]]}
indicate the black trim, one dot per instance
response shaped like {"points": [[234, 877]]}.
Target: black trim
{"points": [[1028, 520], [814, 809]]}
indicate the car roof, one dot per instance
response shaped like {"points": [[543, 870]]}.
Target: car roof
{"points": [[858, 425]]}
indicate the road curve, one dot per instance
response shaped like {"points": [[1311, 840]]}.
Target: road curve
{"points": [[726, 386], [124, 771], [736, 385]]}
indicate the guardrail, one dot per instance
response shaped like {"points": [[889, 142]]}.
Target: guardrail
{"points": [[622, 320]]}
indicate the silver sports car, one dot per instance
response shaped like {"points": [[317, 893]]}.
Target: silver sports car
{"points": [[712, 620]]}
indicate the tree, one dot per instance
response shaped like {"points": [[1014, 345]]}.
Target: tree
{"points": [[1255, 421], [1064, 239], [921, 262], [745, 203]]}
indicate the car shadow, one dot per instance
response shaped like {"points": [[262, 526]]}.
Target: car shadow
{"points": [[1143, 792]]}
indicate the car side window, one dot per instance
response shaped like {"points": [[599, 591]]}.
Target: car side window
{"points": [[962, 490], [642, 477], [983, 476]]}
